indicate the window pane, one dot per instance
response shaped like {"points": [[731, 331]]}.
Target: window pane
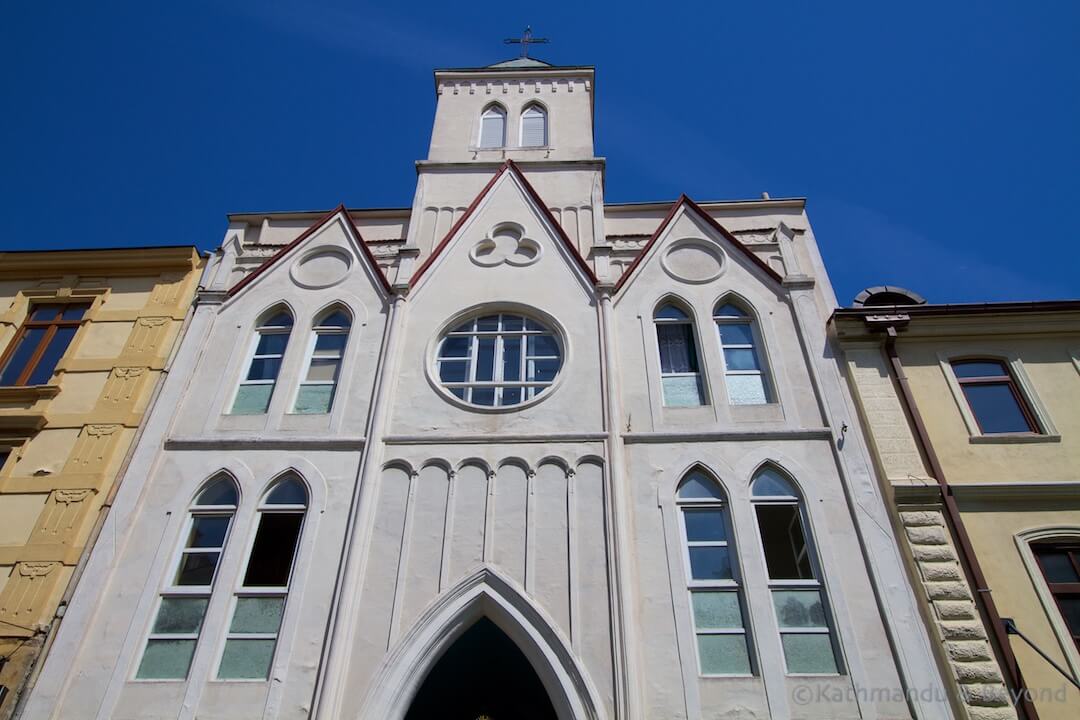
{"points": [[1057, 567], [323, 370], [485, 359], [533, 131], [512, 322], [491, 134], [483, 396], [44, 313], [704, 524], [264, 369], [799, 608], [180, 615], [542, 370], [272, 554], [487, 323], [208, 531], [272, 344], [455, 371], [51, 357], [723, 654], [735, 333], [729, 310], [288, 492], [746, 390], [1070, 609], [257, 615], [512, 358], [282, 319], [716, 610], [770, 483], [456, 346], [808, 653], [740, 359], [682, 391], [542, 345], [786, 553], [996, 409], [670, 312], [677, 353], [710, 563], [197, 569], [252, 399], [314, 399], [246, 659], [337, 319], [697, 486], [330, 343], [166, 660], [979, 368], [28, 345], [220, 492], [511, 396], [72, 313]]}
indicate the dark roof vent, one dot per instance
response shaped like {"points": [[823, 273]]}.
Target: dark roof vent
{"points": [[884, 295]]}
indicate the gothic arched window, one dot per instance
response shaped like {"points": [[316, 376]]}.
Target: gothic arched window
{"points": [[534, 127], [267, 351], [493, 128], [744, 373], [175, 632], [680, 377], [323, 366], [712, 577], [260, 601], [794, 578]]}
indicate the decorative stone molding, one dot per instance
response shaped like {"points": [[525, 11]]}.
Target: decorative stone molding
{"points": [[92, 448], [68, 496], [148, 335], [122, 385], [26, 590]]}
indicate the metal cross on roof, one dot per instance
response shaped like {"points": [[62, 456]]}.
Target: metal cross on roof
{"points": [[524, 40]]}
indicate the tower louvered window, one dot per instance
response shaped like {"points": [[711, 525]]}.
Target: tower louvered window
{"points": [[534, 132], [493, 128]]}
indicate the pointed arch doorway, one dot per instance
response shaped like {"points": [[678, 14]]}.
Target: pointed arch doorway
{"points": [[482, 675]]}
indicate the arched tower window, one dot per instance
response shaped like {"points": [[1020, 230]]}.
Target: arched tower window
{"points": [[794, 577], [680, 376], [182, 606], [267, 351], [712, 577], [323, 365], [744, 373], [534, 127], [493, 128], [260, 602]]}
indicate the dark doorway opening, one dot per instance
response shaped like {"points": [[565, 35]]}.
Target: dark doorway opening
{"points": [[483, 674]]}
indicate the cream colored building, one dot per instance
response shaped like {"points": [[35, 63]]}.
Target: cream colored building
{"points": [[85, 336], [974, 416]]}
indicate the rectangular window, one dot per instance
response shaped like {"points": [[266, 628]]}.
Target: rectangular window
{"points": [[1060, 565], [994, 398], [40, 343]]}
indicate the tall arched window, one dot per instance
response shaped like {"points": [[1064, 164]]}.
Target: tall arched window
{"points": [[743, 371], [1059, 560], [324, 354], [534, 130], [175, 632], [267, 350], [680, 377], [712, 579], [493, 128], [794, 578], [260, 600]]}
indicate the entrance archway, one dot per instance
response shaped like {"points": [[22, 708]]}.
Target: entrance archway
{"points": [[483, 674]]}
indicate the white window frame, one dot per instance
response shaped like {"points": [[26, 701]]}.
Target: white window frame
{"points": [[494, 110], [755, 347], [540, 110], [260, 330], [657, 321], [309, 356]]}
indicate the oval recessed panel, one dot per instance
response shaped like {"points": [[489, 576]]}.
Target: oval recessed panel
{"points": [[694, 261], [322, 268]]}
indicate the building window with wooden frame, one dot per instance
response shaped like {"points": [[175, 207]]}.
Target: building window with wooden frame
{"points": [[994, 397], [1059, 561], [42, 340]]}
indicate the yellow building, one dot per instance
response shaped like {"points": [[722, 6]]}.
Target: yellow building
{"points": [[85, 335], [973, 415]]}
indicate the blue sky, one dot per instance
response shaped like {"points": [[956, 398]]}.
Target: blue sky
{"points": [[938, 143]]}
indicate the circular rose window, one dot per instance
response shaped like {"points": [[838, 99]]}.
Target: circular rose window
{"points": [[498, 360]]}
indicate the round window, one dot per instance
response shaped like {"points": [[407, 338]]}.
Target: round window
{"points": [[498, 360]]}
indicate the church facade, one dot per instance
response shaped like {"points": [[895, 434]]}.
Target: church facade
{"points": [[512, 451]]}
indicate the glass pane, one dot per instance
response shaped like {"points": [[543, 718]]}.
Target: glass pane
{"points": [[786, 554], [208, 531], [288, 492], [543, 345], [323, 370], [459, 391], [314, 399], [455, 371], [1070, 609], [264, 369], [716, 610], [677, 352], [710, 563], [1057, 567], [533, 325], [670, 312], [704, 524], [746, 390], [512, 322], [682, 391], [180, 615], [740, 359], [799, 608], [485, 359], [488, 323], [996, 408], [512, 358], [166, 660], [45, 313], [220, 492], [483, 396], [281, 319], [511, 396], [197, 569], [246, 659], [456, 346], [723, 654], [542, 370], [272, 554], [28, 345], [698, 486], [72, 313], [49, 359], [272, 344], [979, 368], [252, 399], [770, 483], [330, 343], [808, 653], [465, 327], [729, 310], [338, 319], [257, 615], [735, 333]]}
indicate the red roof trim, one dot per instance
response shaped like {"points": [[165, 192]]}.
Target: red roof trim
{"points": [[318, 224], [712, 223], [535, 196]]}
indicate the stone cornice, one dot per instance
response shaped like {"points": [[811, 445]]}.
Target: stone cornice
{"points": [[105, 261]]}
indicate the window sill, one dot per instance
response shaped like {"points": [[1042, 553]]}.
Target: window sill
{"points": [[1013, 439], [31, 393]]}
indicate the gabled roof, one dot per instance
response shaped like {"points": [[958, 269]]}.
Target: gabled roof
{"points": [[717, 227], [318, 225], [508, 166]]}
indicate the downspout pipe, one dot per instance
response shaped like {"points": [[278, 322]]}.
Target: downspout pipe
{"points": [[983, 597]]}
